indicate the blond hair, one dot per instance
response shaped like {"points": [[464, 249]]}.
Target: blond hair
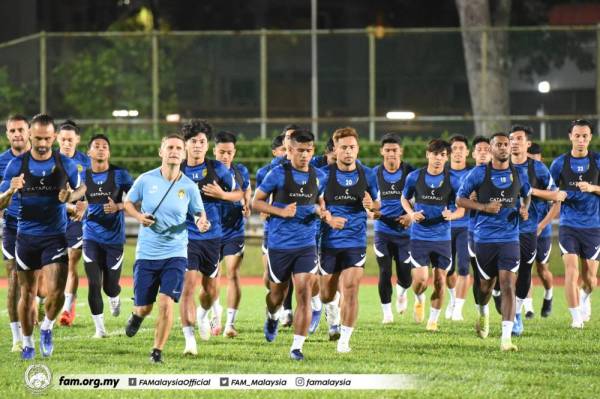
{"points": [[344, 132]]}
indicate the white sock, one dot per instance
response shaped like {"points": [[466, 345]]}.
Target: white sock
{"points": [[15, 328], [47, 324], [548, 294], [201, 313], [528, 305], [298, 342], [28, 341], [274, 315], [345, 334], [337, 297], [188, 334], [99, 322], [316, 303], [507, 327], [216, 305], [387, 308], [483, 310], [576, 315], [434, 314], [231, 313], [496, 293], [519, 305], [458, 305], [452, 292], [420, 298], [583, 297], [400, 290], [68, 302]]}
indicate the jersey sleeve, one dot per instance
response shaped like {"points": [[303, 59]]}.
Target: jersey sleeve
{"points": [[260, 175], [470, 183], [135, 194], [72, 171], [322, 180], [12, 170], [225, 176], [525, 186], [245, 177], [409, 185], [195, 205], [556, 168], [543, 174], [372, 184], [125, 180], [272, 181]]}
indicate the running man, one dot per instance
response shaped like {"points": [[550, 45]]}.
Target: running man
{"points": [[498, 186], [42, 177], [350, 190], [68, 138], [17, 133], [216, 184], [165, 197], [430, 237], [104, 230], [392, 236], [292, 252], [458, 276], [233, 220], [577, 172]]}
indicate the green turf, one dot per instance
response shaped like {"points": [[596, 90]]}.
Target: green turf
{"points": [[553, 361], [252, 264]]}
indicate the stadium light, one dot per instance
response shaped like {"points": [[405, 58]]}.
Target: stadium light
{"points": [[400, 115], [544, 87], [173, 118], [132, 113], [124, 113]]}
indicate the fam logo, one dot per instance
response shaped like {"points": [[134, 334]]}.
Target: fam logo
{"points": [[181, 193], [204, 172], [38, 378], [80, 168]]}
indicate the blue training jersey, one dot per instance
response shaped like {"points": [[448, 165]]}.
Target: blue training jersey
{"points": [[106, 228], [579, 210], [232, 217], [168, 236], [433, 227], [212, 206], [12, 212], [354, 233], [39, 213], [299, 231], [545, 182], [456, 179], [391, 208], [501, 227]]}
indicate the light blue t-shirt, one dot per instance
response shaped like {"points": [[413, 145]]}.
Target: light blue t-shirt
{"points": [[168, 236]]}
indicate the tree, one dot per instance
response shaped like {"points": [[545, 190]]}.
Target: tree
{"points": [[487, 60]]}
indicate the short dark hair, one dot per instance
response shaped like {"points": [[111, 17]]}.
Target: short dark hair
{"points": [[439, 145], [390, 138], [69, 125], [195, 127], [518, 128], [479, 139], [499, 134], [17, 118], [302, 136], [534, 149], [581, 122], [291, 126], [225, 137], [459, 138], [43, 119], [98, 136], [329, 146], [277, 142]]}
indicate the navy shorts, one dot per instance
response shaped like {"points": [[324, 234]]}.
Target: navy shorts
{"points": [[584, 243], [232, 247], [283, 263], [460, 251], [528, 244], [335, 260], [437, 253], [494, 256], [396, 247], [544, 247], [153, 276], [9, 240], [74, 234], [204, 256], [35, 252], [108, 256]]}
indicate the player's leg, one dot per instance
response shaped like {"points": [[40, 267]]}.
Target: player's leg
{"points": [[74, 237], [93, 270], [384, 285], [207, 296], [528, 250], [462, 267], [419, 252], [279, 263], [9, 237], [543, 270], [452, 277], [328, 288], [441, 262], [350, 281], [570, 248], [589, 270], [234, 291], [55, 275], [403, 273], [486, 261], [146, 282], [28, 290], [316, 305]]}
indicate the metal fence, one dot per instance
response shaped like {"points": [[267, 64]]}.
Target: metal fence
{"points": [[253, 82]]}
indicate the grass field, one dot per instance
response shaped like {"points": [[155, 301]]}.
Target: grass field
{"points": [[553, 360]]}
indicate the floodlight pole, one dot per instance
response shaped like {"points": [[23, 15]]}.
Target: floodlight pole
{"points": [[155, 84], [43, 74], [263, 84], [314, 70]]}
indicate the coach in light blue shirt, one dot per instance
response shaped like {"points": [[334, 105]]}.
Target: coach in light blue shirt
{"points": [[165, 196]]}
